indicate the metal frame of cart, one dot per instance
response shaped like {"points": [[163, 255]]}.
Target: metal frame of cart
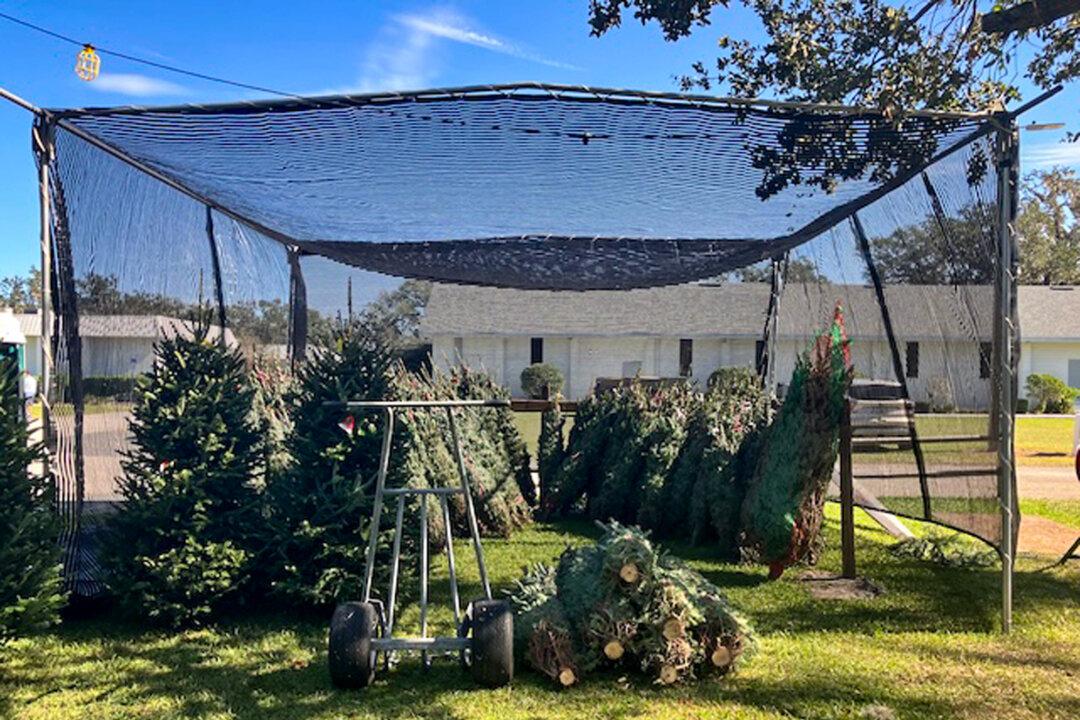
{"points": [[361, 630]]}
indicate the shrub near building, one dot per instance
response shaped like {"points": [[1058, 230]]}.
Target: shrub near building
{"points": [[181, 545]]}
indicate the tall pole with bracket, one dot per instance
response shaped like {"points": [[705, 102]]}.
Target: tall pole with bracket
{"points": [[1006, 147]]}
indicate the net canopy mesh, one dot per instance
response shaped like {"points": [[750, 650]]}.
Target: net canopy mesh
{"points": [[265, 208]]}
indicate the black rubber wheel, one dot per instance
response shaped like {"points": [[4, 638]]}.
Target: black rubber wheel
{"points": [[492, 653], [352, 661]]}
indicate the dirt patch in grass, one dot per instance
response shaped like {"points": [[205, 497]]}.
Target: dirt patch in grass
{"points": [[829, 586], [1045, 537]]}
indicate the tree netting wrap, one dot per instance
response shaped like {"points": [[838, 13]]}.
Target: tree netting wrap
{"points": [[264, 208]]}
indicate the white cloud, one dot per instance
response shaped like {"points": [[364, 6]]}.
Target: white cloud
{"points": [[1047, 155], [450, 27], [135, 85], [405, 53], [445, 28]]}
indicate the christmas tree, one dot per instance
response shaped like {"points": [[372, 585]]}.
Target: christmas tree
{"points": [[320, 506], [181, 545], [30, 594], [551, 448], [784, 505], [320, 509]]}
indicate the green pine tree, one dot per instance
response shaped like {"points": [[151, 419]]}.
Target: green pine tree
{"points": [[319, 509], [784, 505], [30, 594], [181, 545], [551, 449]]}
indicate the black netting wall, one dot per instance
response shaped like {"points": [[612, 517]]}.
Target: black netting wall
{"points": [[932, 244], [145, 262], [278, 216]]}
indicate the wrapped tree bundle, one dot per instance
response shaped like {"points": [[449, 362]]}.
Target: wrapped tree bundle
{"points": [[620, 453], [552, 448], [424, 454], [577, 477], [784, 505], [703, 496], [622, 603]]}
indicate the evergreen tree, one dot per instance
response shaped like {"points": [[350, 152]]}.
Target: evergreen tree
{"points": [[551, 448], [30, 593], [320, 507], [182, 543], [784, 505]]}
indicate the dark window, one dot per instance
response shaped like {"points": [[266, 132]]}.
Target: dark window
{"points": [[759, 356], [536, 350], [986, 351], [912, 363], [686, 357]]}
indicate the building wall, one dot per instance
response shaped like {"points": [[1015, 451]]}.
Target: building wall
{"points": [[946, 368], [33, 355], [1048, 357], [116, 357]]}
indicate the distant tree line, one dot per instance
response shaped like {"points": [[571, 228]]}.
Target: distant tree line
{"points": [[254, 322]]}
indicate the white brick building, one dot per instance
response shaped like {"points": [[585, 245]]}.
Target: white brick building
{"points": [[693, 329], [112, 345]]}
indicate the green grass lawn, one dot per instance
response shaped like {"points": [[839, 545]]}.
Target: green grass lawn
{"points": [[1066, 512], [1044, 440], [928, 648]]}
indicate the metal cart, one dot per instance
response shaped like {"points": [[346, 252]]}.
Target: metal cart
{"points": [[361, 630]]}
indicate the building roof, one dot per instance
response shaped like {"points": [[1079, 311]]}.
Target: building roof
{"points": [[739, 309], [122, 326], [1049, 312]]}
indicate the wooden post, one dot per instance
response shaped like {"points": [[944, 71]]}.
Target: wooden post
{"points": [[847, 495]]}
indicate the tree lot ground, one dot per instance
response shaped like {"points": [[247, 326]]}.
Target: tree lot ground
{"points": [[928, 648]]}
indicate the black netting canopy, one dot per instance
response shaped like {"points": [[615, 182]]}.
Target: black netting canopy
{"points": [[261, 208], [518, 186]]}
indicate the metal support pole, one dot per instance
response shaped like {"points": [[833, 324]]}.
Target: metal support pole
{"points": [[779, 271], [1005, 281], [423, 573], [847, 495], [395, 565], [451, 564], [43, 148], [380, 485], [470, 511], [219, 285]]}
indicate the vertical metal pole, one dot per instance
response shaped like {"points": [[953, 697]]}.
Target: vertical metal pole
{"points": [[395, 565], [215, 263], [1006, 143], [423, 573], [777, 288], [451, 564], [43, 147], [380, 485], [847, 495], [470, 511]]}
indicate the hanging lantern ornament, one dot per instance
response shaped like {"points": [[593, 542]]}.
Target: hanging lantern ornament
{"points": [[88, 63]]}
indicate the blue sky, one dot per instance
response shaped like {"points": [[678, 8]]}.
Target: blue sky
{"points": [[320, 47]]}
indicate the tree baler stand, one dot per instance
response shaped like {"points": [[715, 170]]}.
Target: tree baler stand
{"points": [[361, 630]]}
